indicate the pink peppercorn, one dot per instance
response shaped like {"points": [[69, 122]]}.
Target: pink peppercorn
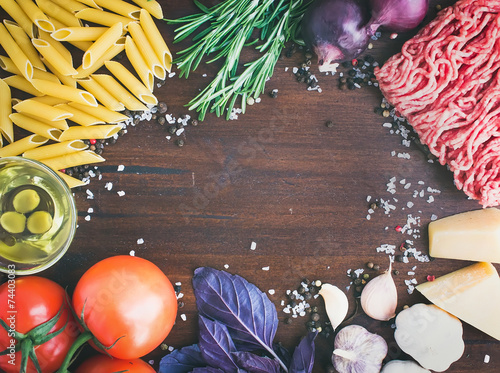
{"points": [[431, 277], [93, 141], [398, 228]]}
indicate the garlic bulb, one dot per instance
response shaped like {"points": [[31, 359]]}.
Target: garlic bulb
{"points": [[336, 304], [379, 297], [358, 351]]}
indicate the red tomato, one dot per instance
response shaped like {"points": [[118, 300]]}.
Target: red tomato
{"points": [[105, 364], [27, 302], [128, 300]]}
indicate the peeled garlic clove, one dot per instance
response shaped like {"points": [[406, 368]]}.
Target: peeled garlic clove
{"points": [[406, 366], [358, 351], [336, 304], [379, 297]]}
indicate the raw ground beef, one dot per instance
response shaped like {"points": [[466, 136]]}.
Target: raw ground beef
{"points": [[446, 82]]}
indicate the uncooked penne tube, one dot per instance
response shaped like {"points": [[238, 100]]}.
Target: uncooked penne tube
{"points": [[118, 47], [103, 18], [60, 47], [64, 92], [80, 117], [55, 150], [24, 42], [55, 11], [72, 182], [61, 124], [71, 6], [138, 63], [101, 45], [6, 127], [101, 112], [52, 56], [152, 6], [35, 126], [49, 100], [134, 85], [82, 45], [18, 15], [41, 110], [146, 50], [90, 3], [100, 131], [64, 79], [38, 17], [15, 53], [79, 33], [101, 94], [19, 82], [120, 7], [156, 40], [20, 146], [8, 65], [119, 92], [72, 160]]}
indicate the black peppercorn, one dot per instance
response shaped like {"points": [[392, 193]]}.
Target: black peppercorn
{"points": [[315, 316], [179, 142]]}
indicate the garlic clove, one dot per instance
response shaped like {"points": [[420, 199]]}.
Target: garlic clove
{"points": [[406, 366], [336, 304], [379, 297], [358, 351]]}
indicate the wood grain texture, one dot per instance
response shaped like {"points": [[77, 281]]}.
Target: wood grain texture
{"points": [[279, 177]]}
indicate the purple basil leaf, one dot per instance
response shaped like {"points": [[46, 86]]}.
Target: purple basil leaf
{"points": [[283, 354], [182, 361], [256, 364], [207, 370], [216, 345], [247, 312], [303, 355]]}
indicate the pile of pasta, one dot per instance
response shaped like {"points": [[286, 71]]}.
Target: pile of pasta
{"points": [[41, 63]]}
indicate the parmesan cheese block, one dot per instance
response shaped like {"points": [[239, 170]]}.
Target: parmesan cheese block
{"points": [[472, 294], [473, 235]]}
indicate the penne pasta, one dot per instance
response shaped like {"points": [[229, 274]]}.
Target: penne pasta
{"points": [[64, 79], [102, 18], [55, 150], [101, 94], [71, 6], [35, 126], [79, 116], [101, 112], [8, 65], [24, 42], [72, 159], [53, 57], [152, 6], [71, 181], [138, 63], [146, 50], [49, 100], [82, 45], [42, 110], [78, 33], [90, 3], [120, 7], [61, 124], [6, 127], [101, 45], [15, 53], [20, 146], [100, 131], [19, 16], [64, 92], [15, 101], [38, 17], [119, 92], [63, 51], [57, 12], [118, 47], [156, 40], [133, 84], [19, 82]]}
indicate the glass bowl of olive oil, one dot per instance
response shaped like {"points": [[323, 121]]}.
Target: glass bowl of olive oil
{"points": [[38, 216]]}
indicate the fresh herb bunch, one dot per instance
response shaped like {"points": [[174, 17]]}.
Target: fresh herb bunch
{"points": [[230, 26]]}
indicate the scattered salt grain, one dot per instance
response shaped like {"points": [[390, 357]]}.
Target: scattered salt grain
{"points": [[183, 317], [271, 291], [108, 185], [140, 241], [90, 210], [226, 266], [121, 167], [87, 218], [486, 359], [180, 295], [171, 75], [433, 217], [121, 193], [90, 195], [179, 131], [265, 268], [132, 253], [253, 246]]}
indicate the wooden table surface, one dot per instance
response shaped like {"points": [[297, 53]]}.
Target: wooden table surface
{"points": [[276, 176]]}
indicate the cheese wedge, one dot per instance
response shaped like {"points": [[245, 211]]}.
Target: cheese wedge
{"points": [[473, 235], [472, 294]]}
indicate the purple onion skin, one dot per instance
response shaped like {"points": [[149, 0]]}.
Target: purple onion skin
{"points": [[398, 15], [336, 30]]}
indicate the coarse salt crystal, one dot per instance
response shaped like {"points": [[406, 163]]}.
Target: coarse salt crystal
{"points": [[411, 273], [90, 195], [108, 185], [226, 266], [183, 317], [132, 253], [140, 241], [179, 131], [486, 359], [87, 218], [368, 217], [265, 268], [180, 295], [271, 291], [434, 217], [253, 246], [90, 210], [121, 193], [178, 283], [121, 167], [171, 75]]}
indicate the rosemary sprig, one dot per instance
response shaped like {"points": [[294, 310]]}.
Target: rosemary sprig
{"points": [[230, 27]]}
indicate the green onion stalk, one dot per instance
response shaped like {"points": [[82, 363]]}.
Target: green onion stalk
{"points": [[230, 26]]}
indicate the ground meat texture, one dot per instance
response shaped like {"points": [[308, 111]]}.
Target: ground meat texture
{"points": [[446, 82]]}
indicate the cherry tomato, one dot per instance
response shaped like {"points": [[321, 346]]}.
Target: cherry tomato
{"points": [[130, 305], [25, 303], [105, 364]]}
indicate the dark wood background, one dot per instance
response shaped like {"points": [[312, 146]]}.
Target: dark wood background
{"points": [[279, 177]]}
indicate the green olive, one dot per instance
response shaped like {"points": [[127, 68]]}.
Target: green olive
{"points": [[26, 200], [39, 222], [13, 222]]}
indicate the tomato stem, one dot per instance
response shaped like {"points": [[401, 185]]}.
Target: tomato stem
{"points": [[79, 342]]}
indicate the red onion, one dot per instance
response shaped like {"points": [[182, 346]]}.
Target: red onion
{"points": [[398, 15]]}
